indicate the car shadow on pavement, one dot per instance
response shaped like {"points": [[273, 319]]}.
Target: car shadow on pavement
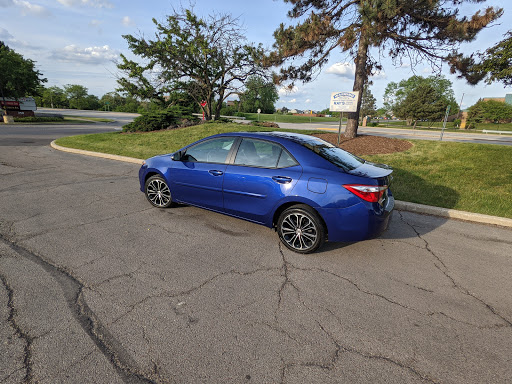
{"points": [[408, 225]]}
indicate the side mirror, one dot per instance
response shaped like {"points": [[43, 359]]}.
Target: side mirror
{"points": [[177, 156]]}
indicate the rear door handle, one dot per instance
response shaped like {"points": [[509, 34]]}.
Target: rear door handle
{"points": [[282, 179], [214, 172]]}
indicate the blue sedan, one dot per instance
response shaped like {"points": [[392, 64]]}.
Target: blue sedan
{"points": [[307, 189]]}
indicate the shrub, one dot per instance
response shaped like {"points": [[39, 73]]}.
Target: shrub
{"points": [[173, 117], [456, 123], [266, 124]]}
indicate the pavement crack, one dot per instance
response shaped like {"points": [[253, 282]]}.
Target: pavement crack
{"points": [[444, 270], [72, 227], [285, 273], [72, 289], [19, 332], [370, 356]]}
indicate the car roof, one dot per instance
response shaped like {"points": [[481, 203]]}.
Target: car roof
{"points": [[277, 136]]}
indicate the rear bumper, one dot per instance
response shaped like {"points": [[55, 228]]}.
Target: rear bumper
{"points": [[358, 222]]}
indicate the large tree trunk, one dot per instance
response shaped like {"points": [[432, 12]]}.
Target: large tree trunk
{"points": [[359, 81]]}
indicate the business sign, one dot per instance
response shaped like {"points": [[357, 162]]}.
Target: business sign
{"points": [[23, 104], [344, 101]]}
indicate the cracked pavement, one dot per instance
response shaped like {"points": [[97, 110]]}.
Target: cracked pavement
{"points": [[97, 287]]}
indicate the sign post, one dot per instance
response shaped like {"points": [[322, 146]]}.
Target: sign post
{"points": [[203, 103], [259, 111], [343, 102], [444, 122]]}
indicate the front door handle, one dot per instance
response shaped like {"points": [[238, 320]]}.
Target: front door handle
{"points": [[214, 172], [282, 179]]}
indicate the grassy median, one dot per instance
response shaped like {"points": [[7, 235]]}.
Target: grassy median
{"points": [[469, 177]]}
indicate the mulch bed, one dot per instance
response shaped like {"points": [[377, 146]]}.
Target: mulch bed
{"points": [[367, 144]]}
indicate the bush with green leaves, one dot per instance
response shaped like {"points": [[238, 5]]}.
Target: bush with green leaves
{"points": [[173, 117]]}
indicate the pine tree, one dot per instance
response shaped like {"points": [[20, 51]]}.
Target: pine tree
{"points": [[428, 30]]}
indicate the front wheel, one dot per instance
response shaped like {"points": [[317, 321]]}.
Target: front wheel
{"points": [[301, 229], [157, 192]]}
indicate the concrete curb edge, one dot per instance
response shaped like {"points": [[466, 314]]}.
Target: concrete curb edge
{"points": [[400, 205], [453, 214], [96, 154]]}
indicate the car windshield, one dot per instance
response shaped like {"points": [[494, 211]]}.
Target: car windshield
{"points": [[343, 159]]}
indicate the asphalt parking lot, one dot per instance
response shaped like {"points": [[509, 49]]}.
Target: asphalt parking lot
{"points": [[98, 287]]}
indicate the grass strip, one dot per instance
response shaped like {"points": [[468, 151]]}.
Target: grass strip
{"points": [[464, 176]]}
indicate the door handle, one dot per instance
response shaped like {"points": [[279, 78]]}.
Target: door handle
{"points": [[215, 172], [282, 179]]}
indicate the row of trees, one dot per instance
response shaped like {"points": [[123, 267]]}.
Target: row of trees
{"points": [[75, 96]]}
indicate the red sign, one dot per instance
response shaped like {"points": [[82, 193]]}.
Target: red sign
{"points": [[11, 105], [203, 103]]}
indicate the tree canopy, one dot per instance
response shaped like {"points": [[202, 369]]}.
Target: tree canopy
{"points": [[18, 76], [493, 65], [208, 59], [368, 102], [396, 93], [259, 94], [417, 30], [490, 111], [422, 103]]}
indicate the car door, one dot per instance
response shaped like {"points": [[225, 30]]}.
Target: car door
{"points": [[262, 173], [198, 176]]}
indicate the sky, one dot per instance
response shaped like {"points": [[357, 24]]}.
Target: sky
{"points": [[78, 41]]}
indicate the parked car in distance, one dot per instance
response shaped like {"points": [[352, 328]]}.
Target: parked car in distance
{"points": [[307, 189]]}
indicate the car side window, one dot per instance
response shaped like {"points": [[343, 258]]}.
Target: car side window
{"points": [[286, 160], [259, 153], [210, 151]]}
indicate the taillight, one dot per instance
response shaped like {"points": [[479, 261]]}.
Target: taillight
{"points": [[371, 193]]}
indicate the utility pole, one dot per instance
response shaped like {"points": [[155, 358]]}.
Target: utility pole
{"points": [[460, 107]]}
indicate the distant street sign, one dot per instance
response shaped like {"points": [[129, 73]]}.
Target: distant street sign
{"points": [[344, 101]]}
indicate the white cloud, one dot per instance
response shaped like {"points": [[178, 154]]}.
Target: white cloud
{"points": [[88, 3], [95, 23], [308, 101], [292, 101], [25, 7], [347, 70], [128, 22], [90, 55]]}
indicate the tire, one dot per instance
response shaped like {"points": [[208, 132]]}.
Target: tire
{"points": [[157, 192], [301, 229]]}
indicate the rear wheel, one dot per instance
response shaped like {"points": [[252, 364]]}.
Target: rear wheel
{"points": [[157, 192], [301, 229]]}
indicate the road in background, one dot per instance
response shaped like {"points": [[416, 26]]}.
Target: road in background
{"points": [[44, 134]]}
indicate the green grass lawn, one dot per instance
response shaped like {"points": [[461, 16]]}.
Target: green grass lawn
{"points": [[87, 119], [464, 176]]}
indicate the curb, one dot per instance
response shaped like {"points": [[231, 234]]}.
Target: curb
{"points": [[399, 205], [96, 154], [453, 214]]}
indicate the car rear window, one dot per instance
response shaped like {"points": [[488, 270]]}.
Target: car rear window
{"points": [[337, 156]]}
